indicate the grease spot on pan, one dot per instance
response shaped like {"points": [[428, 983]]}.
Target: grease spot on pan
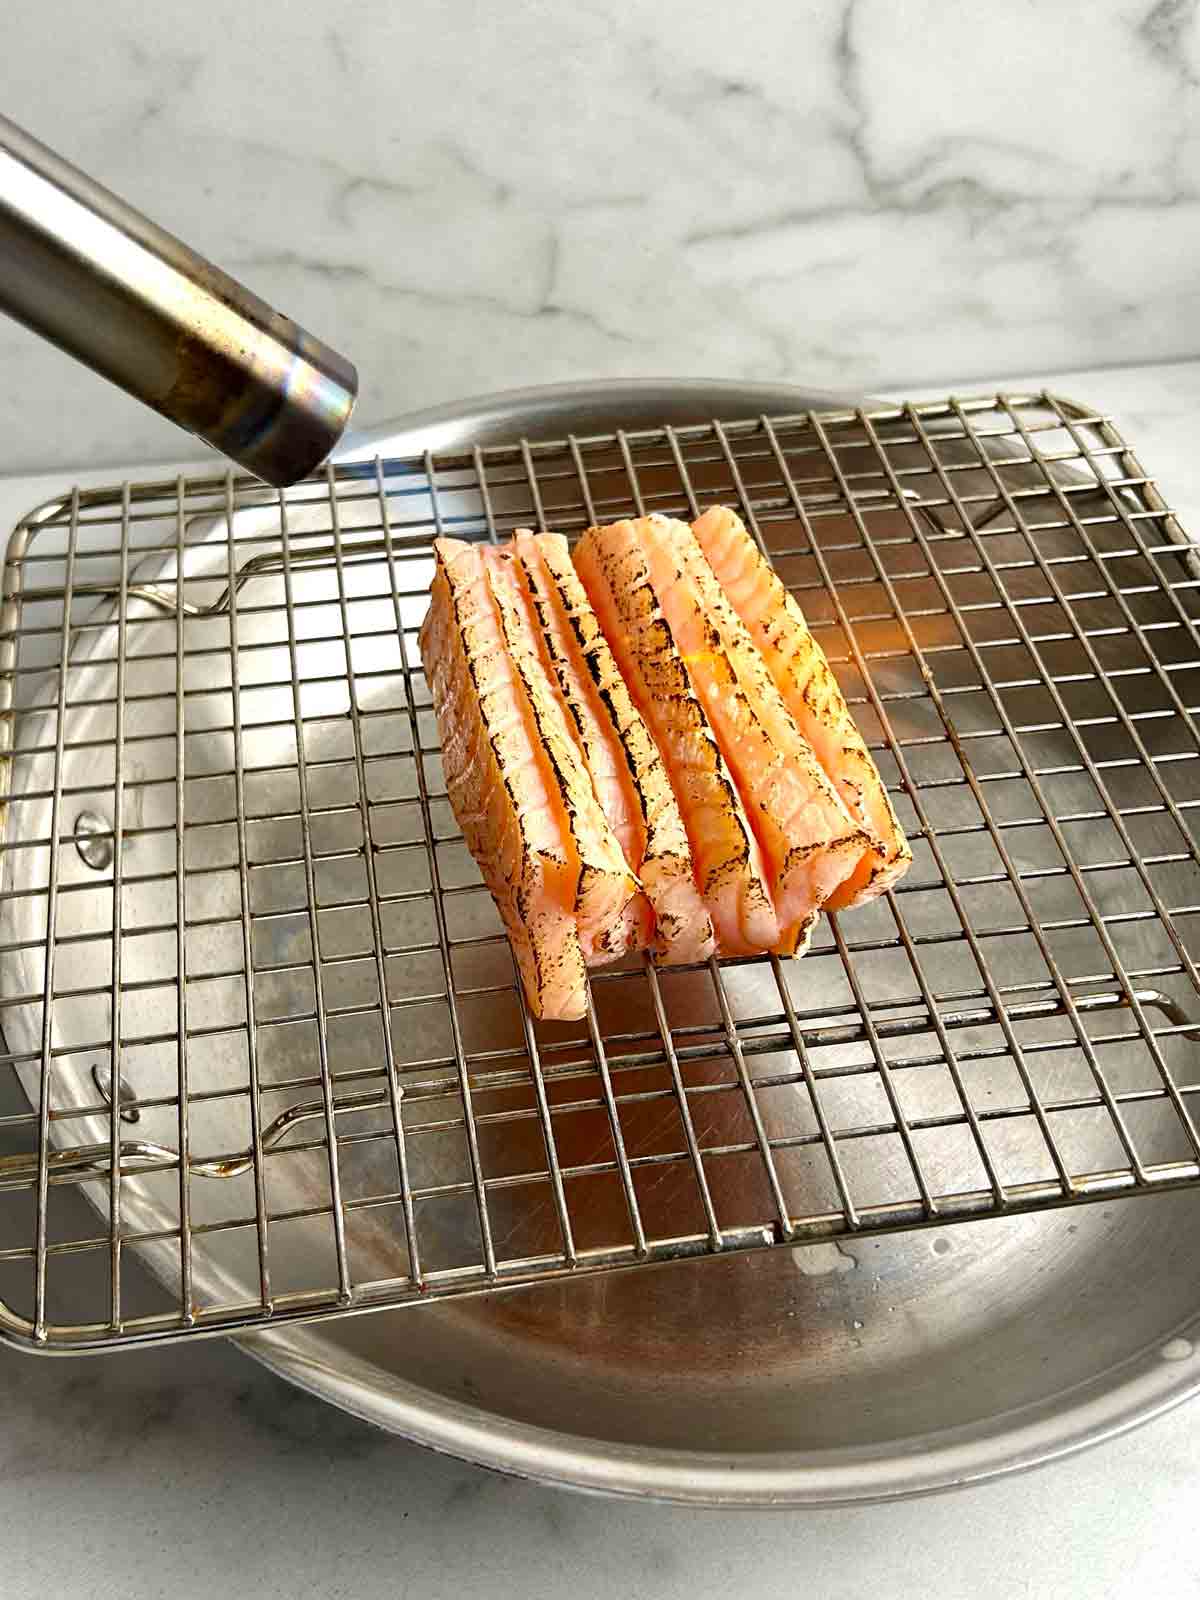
{"points": [[819, 1260]]}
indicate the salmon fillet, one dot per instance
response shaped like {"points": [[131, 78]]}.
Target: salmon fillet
{"points": [[728, 862], [808, 838], [810, 691], [628, 774], [606, 886], [498, 782]]}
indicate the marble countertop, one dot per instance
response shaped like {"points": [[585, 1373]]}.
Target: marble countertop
{"points": [[181, 1470], [465, 198]]}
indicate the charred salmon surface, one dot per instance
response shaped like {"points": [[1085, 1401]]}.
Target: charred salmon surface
{"points": [[806, 682], [646, 750]]}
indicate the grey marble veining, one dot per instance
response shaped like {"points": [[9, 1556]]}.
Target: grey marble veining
{"points": [[857, 194]]}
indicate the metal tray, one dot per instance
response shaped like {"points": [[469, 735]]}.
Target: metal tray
{"points": [[860, 1366]]}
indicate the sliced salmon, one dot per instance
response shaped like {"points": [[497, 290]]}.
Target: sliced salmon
{"points": [[497, 778], [627, 770], [596, 745], [606, 884], [728, 862], [806, 682], [808, 837]]}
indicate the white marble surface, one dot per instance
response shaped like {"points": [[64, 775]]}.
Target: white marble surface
{"points": [[465, 197], [195, 1473], [189, 1471]]}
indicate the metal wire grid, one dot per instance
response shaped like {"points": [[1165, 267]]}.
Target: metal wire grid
{"points": [[233, 886]]}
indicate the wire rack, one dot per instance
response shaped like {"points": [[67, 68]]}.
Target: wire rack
{"points": [[265, 1053]]}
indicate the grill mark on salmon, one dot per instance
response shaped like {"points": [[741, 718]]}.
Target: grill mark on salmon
{"points": [[606, 886], [808, 838], [594, 741], [805, 680], [627, 770], [725, 851], [498, 787]]}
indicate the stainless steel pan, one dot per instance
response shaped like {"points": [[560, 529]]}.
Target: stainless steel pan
{"points": [[841, 1372], [855, 1369]]}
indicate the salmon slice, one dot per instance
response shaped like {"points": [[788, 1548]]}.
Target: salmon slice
{"points": [[627, 771], [808, 837], [810, 691], [498, 780], [595, 742], [725, 852], [606, 885]]}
